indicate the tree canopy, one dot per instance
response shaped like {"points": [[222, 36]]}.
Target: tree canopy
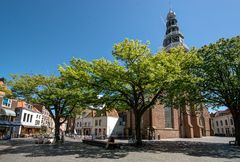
{"points": [[7, 92], [221, 74], [52, 92], [137, 78]]}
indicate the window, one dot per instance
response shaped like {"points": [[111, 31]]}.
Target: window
{"points": [[104, 131], [37, 116], [77, 124], [227, 132], [168, 117], [96, 122], [226, 123], [80, 124], [6, 102], [222, 130], [24, 117], [31, 118], [217, 123], [100, 122], [218, 130], [37, 122], [29, 106], [221, 122], [28, 117], [95, 131], [231, 121]]}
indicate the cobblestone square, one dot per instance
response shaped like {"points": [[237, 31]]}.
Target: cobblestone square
{"points": [[183, 150]]}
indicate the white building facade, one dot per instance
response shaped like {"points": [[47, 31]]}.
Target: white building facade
{"points": [[30, 120], [223, 124], [99, 125]]}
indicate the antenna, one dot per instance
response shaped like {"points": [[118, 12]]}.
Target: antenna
{"points": [[170, 5]]}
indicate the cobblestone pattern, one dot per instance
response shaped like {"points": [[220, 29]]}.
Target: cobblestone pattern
{"points": [[212, 149]]}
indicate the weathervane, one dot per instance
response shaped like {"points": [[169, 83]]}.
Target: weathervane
{"points": [[170, 5]]}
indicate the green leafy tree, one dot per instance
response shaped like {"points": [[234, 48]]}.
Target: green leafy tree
{"points": [[136, 80], [52, 92], [221, 74], [7, 92]]}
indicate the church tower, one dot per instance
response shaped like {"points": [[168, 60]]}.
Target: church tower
{"points": [[173, 37]]}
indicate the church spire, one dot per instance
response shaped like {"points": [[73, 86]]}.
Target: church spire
{"points": [[173, 36]]}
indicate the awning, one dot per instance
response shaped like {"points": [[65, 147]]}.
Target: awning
{"points": [[15, 123], [7, 112], [30, 126], [4, 123], [9, 123]]}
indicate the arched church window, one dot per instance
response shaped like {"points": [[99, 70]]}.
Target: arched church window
{"points": [[168, 116], [201, 121]]}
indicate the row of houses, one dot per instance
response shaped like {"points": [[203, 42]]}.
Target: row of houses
{"points": [[157, 123], [100, 124], [183, 124], [21, 119]]}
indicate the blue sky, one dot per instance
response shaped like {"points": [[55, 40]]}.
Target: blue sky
{"points": [[36, 36]]}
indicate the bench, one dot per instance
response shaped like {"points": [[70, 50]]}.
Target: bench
{"points": [[107, 145], [232, 142]]}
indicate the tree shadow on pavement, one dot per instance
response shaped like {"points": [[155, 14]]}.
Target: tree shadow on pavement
{"points": [[80, 150], [215, 150]]}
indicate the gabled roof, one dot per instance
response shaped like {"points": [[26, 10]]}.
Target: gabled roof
{"points": [[97, 113], [222, 113], [38, 107], [112, 113], [35, 110]]}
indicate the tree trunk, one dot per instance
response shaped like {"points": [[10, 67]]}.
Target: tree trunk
{"points": [[57, 131], [236, 118], [138, 129]]}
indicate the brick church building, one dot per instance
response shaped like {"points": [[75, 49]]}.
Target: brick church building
{"points": [[168, 122]]}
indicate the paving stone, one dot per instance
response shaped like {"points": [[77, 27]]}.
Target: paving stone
{"points": [[207, 149]]}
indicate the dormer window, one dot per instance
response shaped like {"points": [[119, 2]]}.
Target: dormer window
{"points": [[29, 106], [7, 102]]}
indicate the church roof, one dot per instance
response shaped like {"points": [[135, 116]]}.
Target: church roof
{"points": [[171, 14], [173, 37]]}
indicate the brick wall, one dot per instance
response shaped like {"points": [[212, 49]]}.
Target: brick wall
{"points": [[206, 116], [156, 118], [166, 133]]}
